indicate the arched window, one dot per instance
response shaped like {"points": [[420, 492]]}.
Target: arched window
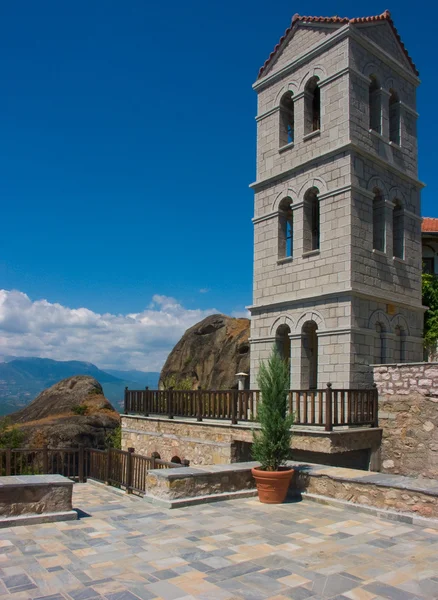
{"points": [[380, 344], [398, 231], [287, 125], [375, 105], [311, 233], [312, 106], [285, 229], [400, 346], [394, 118], [309, 356], [282, 341], [379, 226]]}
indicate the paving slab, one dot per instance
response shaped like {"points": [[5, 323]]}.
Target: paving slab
{"points": [[234, 550]]}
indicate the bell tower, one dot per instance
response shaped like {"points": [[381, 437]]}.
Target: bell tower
{"points": [[337, 240]]}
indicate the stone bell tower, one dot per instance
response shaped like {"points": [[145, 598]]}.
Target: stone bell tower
{"points": [[337, 241]]}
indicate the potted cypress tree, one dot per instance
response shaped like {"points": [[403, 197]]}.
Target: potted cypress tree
{"points": [[271, 443]]}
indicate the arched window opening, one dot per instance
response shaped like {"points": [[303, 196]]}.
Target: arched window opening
{"points": [[394, 118], [400, 345], [375, 105], [287, 124], [398, 231], [285, 229], [379, 225], [429, 260], [380, 344], [309, 356], [282, 342], [312, 106], [176, 459], [311, 234]]}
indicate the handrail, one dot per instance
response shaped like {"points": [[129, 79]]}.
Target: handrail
{"points": [[323, 407]]}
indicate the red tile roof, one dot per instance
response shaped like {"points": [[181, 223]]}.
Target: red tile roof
{"points": [[429, 225], [385, 16]]}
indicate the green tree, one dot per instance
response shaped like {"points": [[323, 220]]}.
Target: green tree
{"points": [[430, 299], [173, 382], [10, 435], [271, 446]]}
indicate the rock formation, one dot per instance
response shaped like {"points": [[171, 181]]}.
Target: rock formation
{"points": [[210, 354], [73, 411]]}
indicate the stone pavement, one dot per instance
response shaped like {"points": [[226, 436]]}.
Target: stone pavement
{"points": [[240, 549]]}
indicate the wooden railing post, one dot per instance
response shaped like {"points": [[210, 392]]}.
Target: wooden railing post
{"points": [[328, 408], [8, 461], [81, 464], [234, 402], [199, 404], [129, 469], [125, 402], [185, 462], [45, 460], [107, 466], [146, 402], [376, 405], [170, 404]]}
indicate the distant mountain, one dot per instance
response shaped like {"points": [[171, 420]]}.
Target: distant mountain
{"points": [[141, 377], [22, 379]]}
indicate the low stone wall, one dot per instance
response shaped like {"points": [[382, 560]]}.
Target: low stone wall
{"points": [[408, 415], [28, 499], [407, 378], [213, 442], [177, 487]]}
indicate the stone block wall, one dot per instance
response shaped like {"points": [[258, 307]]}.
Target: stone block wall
{"points": [[408, 414]]}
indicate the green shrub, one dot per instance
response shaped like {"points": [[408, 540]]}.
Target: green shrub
{"points": [[173, 382], [10, 435], [430, 299], [271, 444], [113, 439], [79, 409]]}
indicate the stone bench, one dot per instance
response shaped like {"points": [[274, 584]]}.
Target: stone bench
{"points": [[28, 499]]}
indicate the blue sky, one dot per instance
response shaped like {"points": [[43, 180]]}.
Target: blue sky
{"points": [[127, 146]]}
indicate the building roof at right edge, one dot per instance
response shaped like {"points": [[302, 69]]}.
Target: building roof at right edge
{"points": [[298, 20]]}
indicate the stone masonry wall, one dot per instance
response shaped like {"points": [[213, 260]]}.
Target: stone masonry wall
{"points": [[408, 414]]}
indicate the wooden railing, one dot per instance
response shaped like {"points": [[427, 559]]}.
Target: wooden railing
{"points": [[325, 407], [123, 469]]}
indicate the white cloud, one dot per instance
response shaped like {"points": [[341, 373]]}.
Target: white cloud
{"points": [[135, 341], [204, 290]]}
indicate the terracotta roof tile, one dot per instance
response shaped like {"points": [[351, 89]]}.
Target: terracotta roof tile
{"points": [[429, 225], [385, 16]]}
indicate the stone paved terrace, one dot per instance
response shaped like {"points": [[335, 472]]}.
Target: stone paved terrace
{"points": [[240, 549]]}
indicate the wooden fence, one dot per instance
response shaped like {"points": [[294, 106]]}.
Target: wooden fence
{"points": [[123, 469], [325, 407]]}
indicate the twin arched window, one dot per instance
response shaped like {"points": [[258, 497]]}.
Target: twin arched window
{"points": [[375, 109], [312, 112], [311, 224], [379, 226]]}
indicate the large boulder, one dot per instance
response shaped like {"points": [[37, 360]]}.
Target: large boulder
{"points": [[210, 354], [73, 411]]}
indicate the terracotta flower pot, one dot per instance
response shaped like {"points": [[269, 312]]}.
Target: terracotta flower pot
{"points": [[272, 486]]}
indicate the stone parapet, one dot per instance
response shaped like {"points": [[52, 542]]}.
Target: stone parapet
{"points": [[375, 491], [407, 379], [27, 499]]}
